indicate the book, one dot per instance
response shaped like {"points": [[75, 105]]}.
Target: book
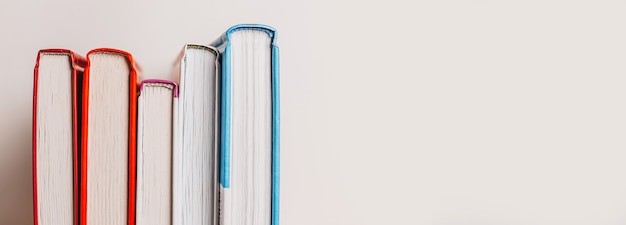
{"points": [[250, 125], [155, 108], [108, 153], [56, 136], [202, 149], [195, 137]]}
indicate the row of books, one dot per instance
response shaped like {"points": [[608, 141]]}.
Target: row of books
{"points": [[111, 148]]}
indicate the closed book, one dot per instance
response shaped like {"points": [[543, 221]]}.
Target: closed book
{"points": [[56, 136], [250, 125], [155, 107], [195, 136], [108, 154]]}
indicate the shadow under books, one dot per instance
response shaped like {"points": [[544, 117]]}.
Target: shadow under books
{"points": [[16, 190]]}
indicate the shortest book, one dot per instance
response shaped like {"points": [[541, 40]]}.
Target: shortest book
{"points": [[155, 109]]}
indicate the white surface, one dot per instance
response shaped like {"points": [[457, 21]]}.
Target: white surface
{"points": [[471, 112]]}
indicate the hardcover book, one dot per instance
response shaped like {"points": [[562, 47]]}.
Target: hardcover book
{"points": [[195, 137], [56, 136], [250, 125], [109, 125], [155, 107]]}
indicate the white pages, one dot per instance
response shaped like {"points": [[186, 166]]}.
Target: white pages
{"points": [[248, 199], [108, 134], [195, 145], [154, 153], [54, 140]]}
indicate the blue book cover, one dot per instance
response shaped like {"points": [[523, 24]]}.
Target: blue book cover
{"points": [[223, 44]]}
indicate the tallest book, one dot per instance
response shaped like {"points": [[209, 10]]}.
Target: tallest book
{"points": [[249, 174]]}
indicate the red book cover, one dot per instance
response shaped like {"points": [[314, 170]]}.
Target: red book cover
{"points": [[132, 137], [78, 63]]}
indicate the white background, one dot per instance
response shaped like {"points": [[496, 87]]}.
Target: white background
{"points": [[393, 112]]}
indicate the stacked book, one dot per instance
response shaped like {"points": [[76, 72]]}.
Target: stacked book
{"points": [[111, 148]]}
